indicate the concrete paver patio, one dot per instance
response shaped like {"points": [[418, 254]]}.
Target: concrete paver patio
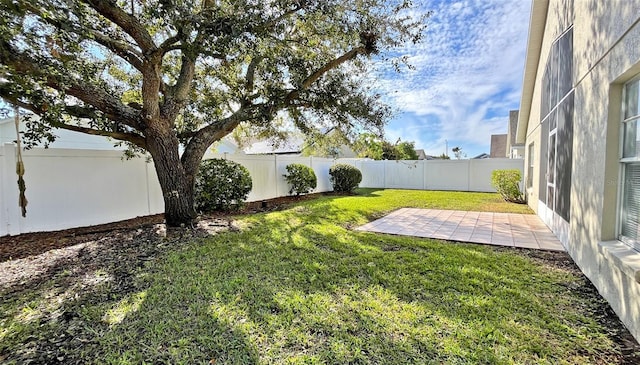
{"points": [[502, 229]]}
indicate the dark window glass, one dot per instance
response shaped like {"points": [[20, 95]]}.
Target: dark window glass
{"points": [[630, 229], [531, 165], [556, 109], [564, 156], [553, 81], [544, 100], [565, 63], [552, 159], [631, 99], [631, 145], [544, 153]]}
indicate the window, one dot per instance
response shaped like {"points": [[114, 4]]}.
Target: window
{"points": [[556, 113], [530, 167], [630, 161]]}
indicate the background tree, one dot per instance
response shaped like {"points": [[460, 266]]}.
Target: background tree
{"points": [[327, 144], [368, 145], [158, 74], [457, 151], [406, 150]]}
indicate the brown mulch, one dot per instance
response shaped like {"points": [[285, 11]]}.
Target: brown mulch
{"points": [[62, 265], [30, 244]]}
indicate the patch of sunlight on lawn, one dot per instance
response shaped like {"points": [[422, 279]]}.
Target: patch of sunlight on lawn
{"points": [[298, 287], [124, 307]]}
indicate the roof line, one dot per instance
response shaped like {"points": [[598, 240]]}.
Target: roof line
{"points": [[537, 24]]}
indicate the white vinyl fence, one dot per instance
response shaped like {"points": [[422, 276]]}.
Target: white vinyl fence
{"points": [[69, 188], [73, 188], [460, 175]]}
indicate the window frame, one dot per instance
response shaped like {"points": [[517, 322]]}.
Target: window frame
{"points": [[530, 155], [625, 162]]}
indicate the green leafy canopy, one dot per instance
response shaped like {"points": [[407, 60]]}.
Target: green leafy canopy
{"points": [[119, 66], [173, 77]]}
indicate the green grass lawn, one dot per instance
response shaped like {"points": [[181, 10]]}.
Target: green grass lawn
{"points": [[299, 287]]}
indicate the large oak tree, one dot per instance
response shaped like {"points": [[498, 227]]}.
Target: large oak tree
{"points": [[172, 77]]}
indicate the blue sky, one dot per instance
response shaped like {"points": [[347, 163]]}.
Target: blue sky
{"points": [[468, 76]]}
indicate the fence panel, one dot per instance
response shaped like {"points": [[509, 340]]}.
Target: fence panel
{"points": [[263, 174], [373, 172], [73, 188], [447, 175], [480, 171], [267, 173], [404, 174], [321, 167]]}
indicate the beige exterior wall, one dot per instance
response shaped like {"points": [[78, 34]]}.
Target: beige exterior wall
{"points": [[606, 54]]}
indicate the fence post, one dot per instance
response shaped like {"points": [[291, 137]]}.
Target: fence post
{"points": [[424, 168], [275, 175], [11, 213], [384, 173], [469, 175]]}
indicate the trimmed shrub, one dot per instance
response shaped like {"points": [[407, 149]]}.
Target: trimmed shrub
{"points": [[301, 178], [221, 185], [344, 177], [507, 183]]}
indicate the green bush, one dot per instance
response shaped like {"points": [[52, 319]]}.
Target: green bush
{"points": [[344, 177], [221, 185], [507, 183], [301, 178]]}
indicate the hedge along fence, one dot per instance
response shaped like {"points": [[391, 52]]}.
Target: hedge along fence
{"points": [[267, 173], [69, 188]]}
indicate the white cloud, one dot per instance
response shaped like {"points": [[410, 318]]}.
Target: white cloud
{"points": [[468, 75]]}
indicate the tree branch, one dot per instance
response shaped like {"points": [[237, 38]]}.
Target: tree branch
{"points": [[169, 44], [107, 103], [121, 136], [122, 49], [126, 22], [126, 52], [178, 95], [134, 138], [251, 72], [323, 70]]}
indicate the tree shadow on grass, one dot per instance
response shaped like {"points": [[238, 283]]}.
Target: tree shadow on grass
{"points": [[290, 289], [54, 304], [297, 287]]}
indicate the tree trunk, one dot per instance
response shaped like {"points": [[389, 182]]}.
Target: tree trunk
{"points": [[177, 186]]}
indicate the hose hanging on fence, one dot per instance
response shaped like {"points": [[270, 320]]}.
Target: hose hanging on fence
{"points": [[22, 200]]}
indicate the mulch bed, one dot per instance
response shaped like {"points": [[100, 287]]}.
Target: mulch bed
{"points": [[68, 260], [30, 244]]}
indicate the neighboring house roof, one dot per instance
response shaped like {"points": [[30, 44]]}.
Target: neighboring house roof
{"points": [[481, 156], [498, 145], [421, 154], [226, 145], [534, 46], [292, 146], [76, 140], [512, 129]]}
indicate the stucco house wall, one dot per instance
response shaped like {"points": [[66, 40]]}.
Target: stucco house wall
{"points": [[605, 55]]}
